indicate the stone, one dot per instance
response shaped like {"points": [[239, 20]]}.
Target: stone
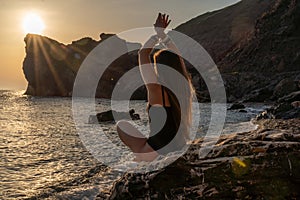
{"points": [[108, 116], [287, 107], [236, 106]]}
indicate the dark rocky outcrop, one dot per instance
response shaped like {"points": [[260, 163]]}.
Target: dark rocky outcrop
{"points": [[272, 54], [50, 67], [262, 164], [284, 87], [255, 45], [287, 107], [108, 116], [273, 48], [237, 106], [45, 66]]}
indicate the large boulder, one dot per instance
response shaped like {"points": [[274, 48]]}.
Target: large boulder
{"points": [[236, 106], [108, 116]]}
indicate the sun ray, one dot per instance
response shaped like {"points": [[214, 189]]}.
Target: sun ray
{"points": [[57, 80], [35, 58], [69, 64]]}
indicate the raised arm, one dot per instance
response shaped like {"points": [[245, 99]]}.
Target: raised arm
{"points": [[146, 67]]}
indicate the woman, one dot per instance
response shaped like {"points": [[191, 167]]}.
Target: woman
{"points": [[173, 134]]}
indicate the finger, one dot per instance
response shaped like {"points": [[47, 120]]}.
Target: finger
{"points": [[158, 18], [163, 16], [167, 18], [169, 22]]}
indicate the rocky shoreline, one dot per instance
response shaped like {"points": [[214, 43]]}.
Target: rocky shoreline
{"points": [[261, 164], [256, 47]]}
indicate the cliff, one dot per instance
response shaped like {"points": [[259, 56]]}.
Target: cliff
{"points": [[50, 67], [221, 30], [255, 45], [274, 46]]}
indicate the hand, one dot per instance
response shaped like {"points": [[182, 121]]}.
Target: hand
{"points": [[161, 24]]}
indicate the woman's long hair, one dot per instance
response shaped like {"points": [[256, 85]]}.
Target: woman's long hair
{"points": [[176, 62]]}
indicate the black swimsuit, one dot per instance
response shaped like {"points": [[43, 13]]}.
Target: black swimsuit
{"points": [[161, 134]]}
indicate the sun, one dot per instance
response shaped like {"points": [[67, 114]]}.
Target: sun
{"points": [[33, 23]]}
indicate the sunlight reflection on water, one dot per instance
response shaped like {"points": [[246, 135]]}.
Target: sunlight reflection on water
{"points": [[41, 152]]}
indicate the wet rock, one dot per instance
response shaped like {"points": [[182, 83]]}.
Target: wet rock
{"points": [[262, 164], [280, 110], [236, 106], [286, 108], [264, 115], [108, 116]]}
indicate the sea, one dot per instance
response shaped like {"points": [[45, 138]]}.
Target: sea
{"points": [[44, 157]]}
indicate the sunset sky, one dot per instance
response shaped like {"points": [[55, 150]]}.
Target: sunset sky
{"points": [[68, 20]]}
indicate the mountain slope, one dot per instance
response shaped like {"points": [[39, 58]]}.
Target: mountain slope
{"points": [[274, 48], [258, 56], [221, 30]]}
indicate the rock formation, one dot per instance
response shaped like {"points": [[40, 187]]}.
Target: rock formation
{"points": [[271, 55], [287, 107], [108, 116], [50, 67], [255, 45], [262, 164], [221, 30]]}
